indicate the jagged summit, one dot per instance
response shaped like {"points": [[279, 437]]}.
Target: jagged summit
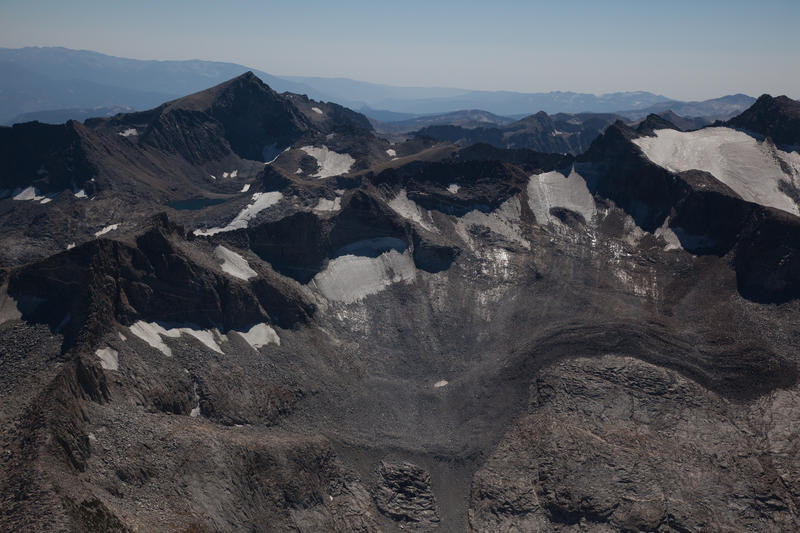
{"points": [[655, 122], [776, 117]]}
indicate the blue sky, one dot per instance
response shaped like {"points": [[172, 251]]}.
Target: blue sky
{"points": [[683, 49]]}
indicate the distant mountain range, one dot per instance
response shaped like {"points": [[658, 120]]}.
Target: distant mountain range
{"points": [[58, 82]]}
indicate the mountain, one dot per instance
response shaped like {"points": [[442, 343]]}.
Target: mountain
{"points": [[721, 108], [471, 118], [507, 103], [24, 91], [197, 334], [684, 123], [203, 147], [50, 78], [777, 118], [60, 116], [559, 133]]}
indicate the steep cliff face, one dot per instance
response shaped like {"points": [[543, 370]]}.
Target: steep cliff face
{"points": [[376, 337]]}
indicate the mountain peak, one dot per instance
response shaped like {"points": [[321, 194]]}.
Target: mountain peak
{"points": [[247, 84], [777, 117]]}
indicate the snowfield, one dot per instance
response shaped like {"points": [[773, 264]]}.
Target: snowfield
{"points": [[330, 163], [350, 278], [750, 167]]}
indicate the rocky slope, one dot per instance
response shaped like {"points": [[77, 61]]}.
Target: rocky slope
{"points": [[365, 336]]}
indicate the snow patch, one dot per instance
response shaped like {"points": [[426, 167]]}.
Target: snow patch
{"points": [[453, 188], [245, 188], [504, 221], [153, 332], [409, 210], [9, 310], [109, 358], [234, 264], [122, 337], [261, 201], [70, 246], [28, 193], [553, 189], [80, 193], [330, 163], [316, 110], [391, 152], [260, 335], [350, 278], [129, 132], [105, 230], [441, 383], [750, 167]]}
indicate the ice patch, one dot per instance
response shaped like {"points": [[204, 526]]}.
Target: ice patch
{"points": [[109, 358], [261, 201], [325, 206], [234, 264], [316, 110], [440, 384], [453, 188], [105, 230], [553, 189], [391, 153], [409, 210], [350, 278], [260, 335], [129, 132], [330, 163], [750, 167], [245, 188]]}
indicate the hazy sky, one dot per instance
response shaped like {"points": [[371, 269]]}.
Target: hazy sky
{"points": [[683, 49]]}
